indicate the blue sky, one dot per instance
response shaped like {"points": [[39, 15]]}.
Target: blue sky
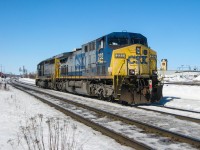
{"points": [[33, 30]]}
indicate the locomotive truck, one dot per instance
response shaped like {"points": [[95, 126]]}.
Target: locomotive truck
{"points": [[118, 66]]}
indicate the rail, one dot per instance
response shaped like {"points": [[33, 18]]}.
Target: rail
{"points": [[148, 128]]}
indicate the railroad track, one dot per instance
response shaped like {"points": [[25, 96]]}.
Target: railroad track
{"points": [[182, 117], [185, 110], [122, 138], [118, 137], [175, 114]]}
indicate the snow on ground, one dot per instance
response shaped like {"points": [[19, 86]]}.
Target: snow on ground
{"points": [[157, 119], [181, 96], [183, 77], [17, 107], [27, 80], [178, 96]]}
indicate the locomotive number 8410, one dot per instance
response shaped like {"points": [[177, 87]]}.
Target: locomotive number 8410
{"points": [[118, 66]]}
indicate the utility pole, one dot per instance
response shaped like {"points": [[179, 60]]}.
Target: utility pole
{"points": [[4, 69], [1, 71], [23, 71]]}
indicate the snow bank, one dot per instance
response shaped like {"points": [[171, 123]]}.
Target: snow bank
{"points": [[181, 77], [197, 78], [27, 80], [184, 97]]}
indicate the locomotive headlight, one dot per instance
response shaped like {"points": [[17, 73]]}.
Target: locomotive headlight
{"points": [[138, 50], [131, 72]]}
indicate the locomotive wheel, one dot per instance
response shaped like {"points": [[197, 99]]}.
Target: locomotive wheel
{"points": [[111, 99], [100, 95], [59, 86]]}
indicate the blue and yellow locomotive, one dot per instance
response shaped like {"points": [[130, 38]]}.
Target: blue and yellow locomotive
{"points": [[118, 66]]}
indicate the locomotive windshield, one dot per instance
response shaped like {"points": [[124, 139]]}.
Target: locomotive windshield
{"points": [[117, 41], [138, 41]]}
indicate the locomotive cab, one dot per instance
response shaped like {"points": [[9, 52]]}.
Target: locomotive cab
{"points": [[132, 65], [134, 69]]}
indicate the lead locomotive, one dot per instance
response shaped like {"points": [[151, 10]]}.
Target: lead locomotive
{"points": [[118, 66]]}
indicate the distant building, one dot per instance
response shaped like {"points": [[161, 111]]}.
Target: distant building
{"points": [[164, 64], [1, 74]]}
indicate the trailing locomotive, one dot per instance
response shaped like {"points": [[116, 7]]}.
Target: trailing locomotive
{"points": [[118, 66]]}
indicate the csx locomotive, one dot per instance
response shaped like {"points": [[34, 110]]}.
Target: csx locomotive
{"points": [[118, 66]]}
